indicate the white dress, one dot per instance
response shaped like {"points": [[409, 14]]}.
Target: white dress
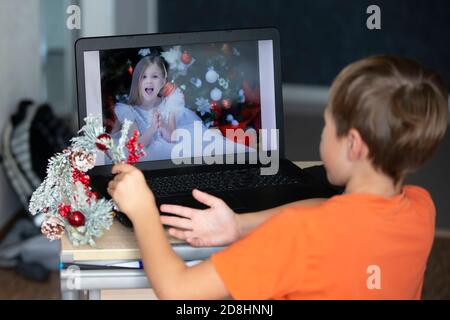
{"points": [[189, 130]]}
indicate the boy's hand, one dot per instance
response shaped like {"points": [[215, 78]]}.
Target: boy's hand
{"points": [[130, 191], [215, 226]]}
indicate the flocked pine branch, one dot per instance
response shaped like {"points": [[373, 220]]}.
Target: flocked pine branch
{"points": [[65, 198]]}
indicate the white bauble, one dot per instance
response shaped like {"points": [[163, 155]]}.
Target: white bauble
{"points": [[211, 76], [216, 94]]}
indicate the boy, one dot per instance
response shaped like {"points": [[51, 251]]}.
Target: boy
{"points": [[384, 119]]}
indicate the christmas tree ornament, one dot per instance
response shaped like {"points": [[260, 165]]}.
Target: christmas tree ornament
{"points": [[65, 197], [76, 219], [82, 160], [103, 142], [186, 57], [203, 106], [229, 118], [241, 98], [211, 76], [216, 109], [178, 62], [144, 52], [196, 82], [168, 88], [226, 103], [53, 228], [172, 57], [64, 210], [216, 94], [223, 83]]}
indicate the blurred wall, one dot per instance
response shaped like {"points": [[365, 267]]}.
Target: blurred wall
{"points": [[20, 74]]}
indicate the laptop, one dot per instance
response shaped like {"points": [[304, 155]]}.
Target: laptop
{"points": [[218, 98]]}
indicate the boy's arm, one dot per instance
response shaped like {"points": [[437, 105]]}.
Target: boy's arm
{"points": [[218, 224], [249, 221], [168, 274]]}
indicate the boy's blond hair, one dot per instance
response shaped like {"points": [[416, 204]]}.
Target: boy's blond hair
{"points": [[399, 107]]}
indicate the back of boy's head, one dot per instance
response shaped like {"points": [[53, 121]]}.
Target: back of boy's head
{"points": [[399, 108]]}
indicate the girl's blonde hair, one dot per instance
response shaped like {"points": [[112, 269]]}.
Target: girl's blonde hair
{"points": [[142, 65]]}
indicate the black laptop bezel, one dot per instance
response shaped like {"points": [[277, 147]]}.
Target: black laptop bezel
{"points": [[165, 39]]}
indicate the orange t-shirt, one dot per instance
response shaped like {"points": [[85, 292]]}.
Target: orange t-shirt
{"points": [[353, 246]]}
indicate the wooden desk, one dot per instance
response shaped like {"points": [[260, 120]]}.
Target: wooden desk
{"points": [[117, 245]]}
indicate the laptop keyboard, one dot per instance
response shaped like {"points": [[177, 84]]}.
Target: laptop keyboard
{"points": [[238, 179]]}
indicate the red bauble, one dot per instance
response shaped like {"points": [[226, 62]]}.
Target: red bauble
{"points": [[168, 89], [226, 103], [76, 219], [213, 104], [186, 58], [130, 70]]}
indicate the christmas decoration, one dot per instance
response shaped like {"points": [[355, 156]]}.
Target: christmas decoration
{"points": [[211, 76], [144, 52], [63, 209], [186, 58], [217, 110], [226, 103], [53, 228], [214, 85], [103, 142], [241, 98], [216, 94], [196, 82], [134, 148], [65, 196], [223, 83], [203, 106], [177, 66], [76, 219], [168, 89], [81, 160]]}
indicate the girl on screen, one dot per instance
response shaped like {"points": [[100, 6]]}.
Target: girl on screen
{"points": [[157, 109]]}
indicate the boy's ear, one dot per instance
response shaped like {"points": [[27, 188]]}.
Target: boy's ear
{"points": [[357, 148]]}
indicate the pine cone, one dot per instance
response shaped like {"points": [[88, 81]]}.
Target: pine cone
{"points": [[53, 228], [82, 161]]}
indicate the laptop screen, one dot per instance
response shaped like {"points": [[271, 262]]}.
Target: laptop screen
{"points": [[187, 100]]}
